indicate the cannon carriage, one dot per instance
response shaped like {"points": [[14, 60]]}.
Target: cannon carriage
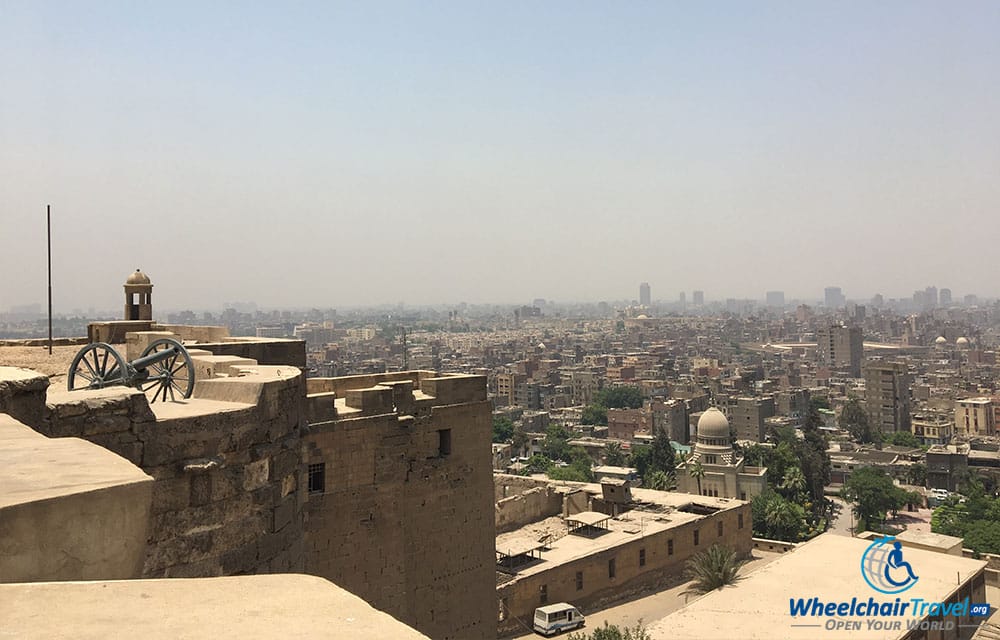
{"points": [[164, 371]]}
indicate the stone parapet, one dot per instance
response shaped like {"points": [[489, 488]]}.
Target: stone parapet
{"points": [[69, 510], [226, 464], [22, 394]]}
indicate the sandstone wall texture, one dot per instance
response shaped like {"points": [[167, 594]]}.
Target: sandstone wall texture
{"points": [[226, 496], [662, 564], [406, 517]]}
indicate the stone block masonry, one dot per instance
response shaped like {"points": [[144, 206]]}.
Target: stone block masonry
{"points": [[405, 516], [226, 497]]}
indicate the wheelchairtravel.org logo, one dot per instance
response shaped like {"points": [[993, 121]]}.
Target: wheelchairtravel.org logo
{"points": [[885, 570]]}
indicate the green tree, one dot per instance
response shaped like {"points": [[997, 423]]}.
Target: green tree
{"points": [[639, 458], [872, 495], [854, 420], [697, 472], [983, 536], [503, 429], [614, 455], [579, 469], [713, 569], [916, 474], [555, 444], [570, 473], [903, 439], [539, 464], [814, 460], [819, 402], [613, 632], [661, 454], [658, 480], [594, 414], [776, 518], [778, 461], [519, 439], [621, 397], [793, 484], [755, 455]]}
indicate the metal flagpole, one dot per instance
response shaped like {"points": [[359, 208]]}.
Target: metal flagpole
{"points": [[48, 225]]}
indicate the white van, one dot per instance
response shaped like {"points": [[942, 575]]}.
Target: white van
{"points": [[555, 618]]}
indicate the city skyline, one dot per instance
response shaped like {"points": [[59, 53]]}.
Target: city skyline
{"points": [[372, 154], [669, 303]]}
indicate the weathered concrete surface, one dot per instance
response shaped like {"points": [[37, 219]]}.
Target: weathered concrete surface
{"points": [[22, 393], [69, 510], [237, 608], [276, 351]]}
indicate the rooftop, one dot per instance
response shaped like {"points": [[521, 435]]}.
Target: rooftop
{"points": [[654, 511], [757, 607], [239, 607]]}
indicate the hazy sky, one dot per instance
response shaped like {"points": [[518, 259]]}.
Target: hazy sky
{"points": [[333, 154]]}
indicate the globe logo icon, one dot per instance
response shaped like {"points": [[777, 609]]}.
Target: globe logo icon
{"points": [[884, 569]]}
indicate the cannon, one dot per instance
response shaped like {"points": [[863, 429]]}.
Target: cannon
{"points": [[164, 370]]}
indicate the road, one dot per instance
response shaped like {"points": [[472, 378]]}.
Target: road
{"points": [[652, 607], [919, 520]]}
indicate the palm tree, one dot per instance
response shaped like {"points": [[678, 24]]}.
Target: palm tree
{"points": [[713, 568], [697, 472], [778, 518], [613, 454], [793, 482], [659, 480]]}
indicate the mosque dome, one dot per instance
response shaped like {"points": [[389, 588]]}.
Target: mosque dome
{"points": [[713, 424], [642, 316], [138, 278], [941, 340], [962, 342]]}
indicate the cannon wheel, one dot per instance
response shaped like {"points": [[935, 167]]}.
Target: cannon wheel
{"points": [[171, 377], [97, 366]]}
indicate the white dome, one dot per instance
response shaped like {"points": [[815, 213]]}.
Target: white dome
{"points": [[962, 342], [941, 340], [713, 424]]}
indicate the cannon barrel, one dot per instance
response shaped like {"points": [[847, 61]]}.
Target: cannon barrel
{"points": [[163, 371], [154, 357]]}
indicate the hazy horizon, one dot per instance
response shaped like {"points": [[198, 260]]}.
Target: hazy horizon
{"points": [[354, 155]]}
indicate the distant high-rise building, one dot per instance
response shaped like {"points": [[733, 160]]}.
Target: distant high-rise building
{"points": [[931, 297], [841, 348], [945, 297], [971, 299], [698, 298], [856, 312], [878, 300], [644, 296], [833, 298], [887, 396], [682, 298], [775, 298]]}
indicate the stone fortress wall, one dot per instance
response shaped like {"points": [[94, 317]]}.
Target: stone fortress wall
{"points": [[404, 518], [225, 464]]}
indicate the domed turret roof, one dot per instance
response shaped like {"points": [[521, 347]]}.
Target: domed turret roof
{"points": [[713, 424], [138, 278], [962, 342], [941, 340]]}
